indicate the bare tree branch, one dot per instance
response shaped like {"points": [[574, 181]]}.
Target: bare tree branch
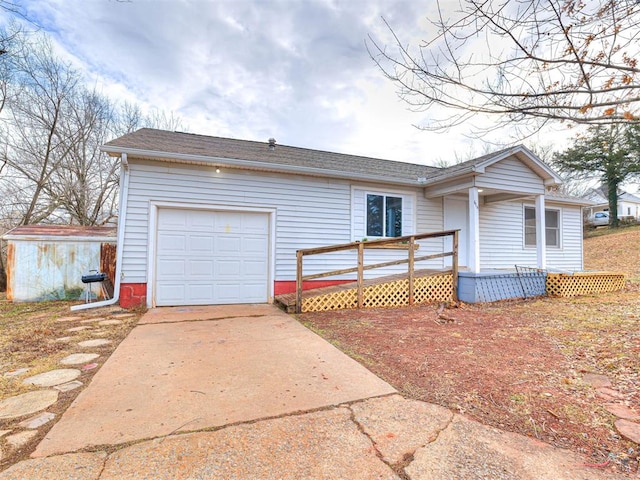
{"points": [[521, 61]]}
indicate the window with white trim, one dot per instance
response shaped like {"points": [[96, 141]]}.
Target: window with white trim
{"points": [[552, 227], [383, 215]]}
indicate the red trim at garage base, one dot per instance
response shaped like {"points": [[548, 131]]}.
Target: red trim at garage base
{"points": [[289, 286], [133, 295]]}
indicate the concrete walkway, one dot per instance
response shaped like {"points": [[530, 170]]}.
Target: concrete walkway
{"points": [[186, 369], [247, 392]]}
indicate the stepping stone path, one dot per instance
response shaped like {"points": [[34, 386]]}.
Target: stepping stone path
{"points": [[67, 387], [37, 421], [78, 358], [627, 423], [61, 380], [17, 440], [94, 343], [27, 403], [68, 319], [17, 372], [110, 322], [53, 377], [78, 329]]}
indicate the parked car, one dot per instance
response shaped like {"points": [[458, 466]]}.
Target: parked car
{"points": [[598, 219]]}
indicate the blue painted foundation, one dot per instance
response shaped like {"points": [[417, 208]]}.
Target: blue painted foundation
{"points": [[494, 285]]}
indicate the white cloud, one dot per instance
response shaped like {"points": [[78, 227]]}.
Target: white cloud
{"points": [[294, 70]]}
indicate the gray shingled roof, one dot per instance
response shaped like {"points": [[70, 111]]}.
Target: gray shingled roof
{"points": [[160, 141]]}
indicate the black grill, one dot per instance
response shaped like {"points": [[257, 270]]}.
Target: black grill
{"points": [[94, 277]]}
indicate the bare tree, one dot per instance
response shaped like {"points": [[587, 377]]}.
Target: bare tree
{"points": [[528, 62]]}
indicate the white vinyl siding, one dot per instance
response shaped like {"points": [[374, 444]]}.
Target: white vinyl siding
{"points": [[309, 212], [511, 174], [502, 237]]}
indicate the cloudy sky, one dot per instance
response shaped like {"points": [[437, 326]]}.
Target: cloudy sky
{"points": [[296, 70]]}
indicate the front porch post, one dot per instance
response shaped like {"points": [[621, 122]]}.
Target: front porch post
{"points": [[541, 237], [474, 231]]}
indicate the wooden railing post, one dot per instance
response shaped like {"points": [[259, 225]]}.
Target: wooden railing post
{"points": [[299, 255], [412, 242], [454, 266], [360, 274]]}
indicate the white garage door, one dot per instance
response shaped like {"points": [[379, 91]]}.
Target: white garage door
{"points": [[205, 257]]}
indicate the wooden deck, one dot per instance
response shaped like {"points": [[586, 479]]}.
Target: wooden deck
{"points": [[386, 291]]}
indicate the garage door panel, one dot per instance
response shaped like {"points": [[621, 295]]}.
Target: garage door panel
{"points": [[199, 293], [172, 219], [171, 292], [254, 246], [228, 222], [172, 268], [201, 268], [255, 223], [168, 243], [201, 221], [228, 292], [253, 292], [208, 257], [200, 244], [228, 244], [253, 268]]}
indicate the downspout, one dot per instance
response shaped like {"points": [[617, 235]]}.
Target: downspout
{"points": [[124, 195]]}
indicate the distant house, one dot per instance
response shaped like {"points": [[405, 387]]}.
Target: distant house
{"points": [[47, 262], [208, 220], [628, 204]]}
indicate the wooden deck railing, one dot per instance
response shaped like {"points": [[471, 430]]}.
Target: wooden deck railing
{"points": [[409, 241]]}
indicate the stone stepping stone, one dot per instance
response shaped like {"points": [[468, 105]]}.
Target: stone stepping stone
{"points": [[53, 377], [17, 440], [78, 358], [99, 332], [596, 380], [621, 411], [78, 329], [94, 343], [17, 372], [67, 387], [27, 403], [123, 315], [629, 430], [37, 421], [110, 322], [92, 320], [4, 432], [68, 319], [63, 339], [609, 394]]}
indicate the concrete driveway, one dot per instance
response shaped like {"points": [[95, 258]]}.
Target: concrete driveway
{"points": [[246, 392], [194, 368]]}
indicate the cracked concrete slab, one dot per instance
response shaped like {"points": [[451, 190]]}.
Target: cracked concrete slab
{"points": [[470, 450], [399, 426], [318, 445], [73, 466], [192, 375], [191, 313]]}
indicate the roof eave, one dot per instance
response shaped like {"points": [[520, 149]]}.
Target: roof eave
{"points": [[65, 238], [253, 165]]}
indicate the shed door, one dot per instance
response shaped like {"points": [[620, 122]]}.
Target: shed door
{"points": [[211, 257]]}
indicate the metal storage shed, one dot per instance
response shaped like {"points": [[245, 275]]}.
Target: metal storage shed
{"points": [[46, 262]]}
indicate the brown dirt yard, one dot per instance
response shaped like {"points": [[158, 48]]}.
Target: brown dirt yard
{"points": [[517, 365]]}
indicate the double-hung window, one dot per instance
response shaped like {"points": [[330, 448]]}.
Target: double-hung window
{"points": [[384, 215], [552, 227]]}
